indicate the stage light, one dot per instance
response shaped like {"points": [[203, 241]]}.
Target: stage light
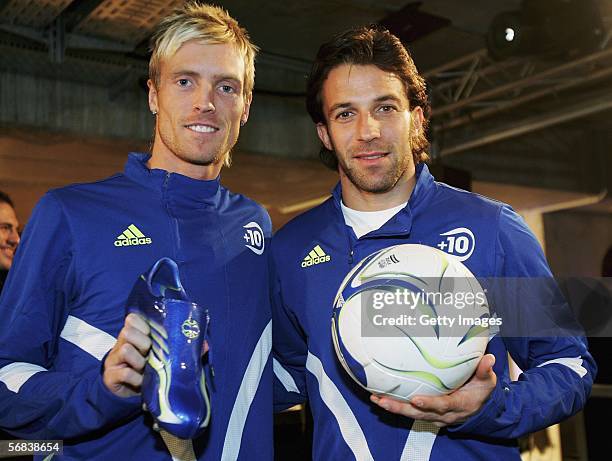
{"points": [[509, 35], [555, 28]]}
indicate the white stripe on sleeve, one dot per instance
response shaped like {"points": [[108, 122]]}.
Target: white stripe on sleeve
{"points": [[573, 363], [16, 374], [87, 337]]}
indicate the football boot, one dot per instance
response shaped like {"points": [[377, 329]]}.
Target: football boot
{"points": [[174, 388]]}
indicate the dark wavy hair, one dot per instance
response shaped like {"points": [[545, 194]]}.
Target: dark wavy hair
{"points": [[5, 198], [364, 46]]}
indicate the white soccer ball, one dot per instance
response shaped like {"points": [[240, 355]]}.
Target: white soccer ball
{"points": [[387, 353]]}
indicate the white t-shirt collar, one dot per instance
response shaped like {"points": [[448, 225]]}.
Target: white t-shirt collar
{"points": [[364, 222]]}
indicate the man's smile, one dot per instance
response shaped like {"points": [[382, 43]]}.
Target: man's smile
{"points": [[202, 128]]}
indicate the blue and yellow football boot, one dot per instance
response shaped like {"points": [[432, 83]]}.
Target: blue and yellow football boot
{"points": [[174, 385]]}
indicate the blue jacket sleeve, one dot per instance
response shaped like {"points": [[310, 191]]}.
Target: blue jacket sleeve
{"points": [[558, 370], [37, 402], [289, 348]]}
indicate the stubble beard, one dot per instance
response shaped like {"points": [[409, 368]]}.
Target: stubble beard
{"points": [[190, 155], [365, 181], [197, 159]]}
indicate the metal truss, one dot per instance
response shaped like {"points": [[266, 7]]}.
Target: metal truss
{"points": [[475, 87]]}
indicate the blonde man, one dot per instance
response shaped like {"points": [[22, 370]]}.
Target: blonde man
{"points": [[70, 366]]}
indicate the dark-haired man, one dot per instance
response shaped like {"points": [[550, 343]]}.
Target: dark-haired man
{"points": [[369, 105]]}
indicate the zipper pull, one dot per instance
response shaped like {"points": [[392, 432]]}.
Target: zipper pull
{"points": [[350, 260]]}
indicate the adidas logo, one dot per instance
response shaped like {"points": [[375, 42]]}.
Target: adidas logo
{"points": [[132, 236], [316, 256]]}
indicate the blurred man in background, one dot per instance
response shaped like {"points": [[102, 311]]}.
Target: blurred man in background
{"points": [[9, 237]]}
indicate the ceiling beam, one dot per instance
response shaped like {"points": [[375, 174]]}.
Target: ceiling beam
{"points": [[517, 101], [596, 103], [520, 83]]}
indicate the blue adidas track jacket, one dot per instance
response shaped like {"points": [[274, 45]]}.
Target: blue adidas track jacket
{"points": [[492, 241], [63, 307]]}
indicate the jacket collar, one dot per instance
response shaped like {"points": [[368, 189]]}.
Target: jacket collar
{"points": [[401, 223], [181, 189]]}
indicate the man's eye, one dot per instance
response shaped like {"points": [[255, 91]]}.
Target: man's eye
{"points": [[183, 82], [343, 115], [386, 108], [227, 89]]}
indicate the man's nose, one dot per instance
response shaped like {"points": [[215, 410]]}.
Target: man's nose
{"points": [[13, 237], [369, 128], [204, 101]]}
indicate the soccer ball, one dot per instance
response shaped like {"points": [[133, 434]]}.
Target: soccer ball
{"points": [[410, 319]]}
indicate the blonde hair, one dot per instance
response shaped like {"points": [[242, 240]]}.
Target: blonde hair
{"points": [[208, 24]]}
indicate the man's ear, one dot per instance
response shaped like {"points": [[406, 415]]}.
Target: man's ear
{"points": [[247, 108], [153, 107], [324, 136], [417, 119]]}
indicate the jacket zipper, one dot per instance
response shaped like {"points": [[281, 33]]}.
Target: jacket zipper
{"points": [[173, 221]]}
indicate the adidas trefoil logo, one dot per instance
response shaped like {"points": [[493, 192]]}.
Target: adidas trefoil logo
{"points": [[132, 236], [316, 256]]}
